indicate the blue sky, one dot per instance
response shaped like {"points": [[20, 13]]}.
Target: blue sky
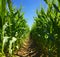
{"points": [[29, 8]]}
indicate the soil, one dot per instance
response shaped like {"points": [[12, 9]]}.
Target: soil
{"points": [[28, 49]]}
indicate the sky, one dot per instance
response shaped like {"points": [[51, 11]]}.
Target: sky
{"points": [[29, 8]]}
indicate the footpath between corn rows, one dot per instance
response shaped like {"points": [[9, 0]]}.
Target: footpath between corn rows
{"points": [[28, 49]]}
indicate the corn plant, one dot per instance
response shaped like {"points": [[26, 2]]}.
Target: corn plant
{"points": [[46, 28], [13, 27]]}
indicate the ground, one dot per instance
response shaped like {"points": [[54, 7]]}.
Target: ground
{"points": [[28, 49]]}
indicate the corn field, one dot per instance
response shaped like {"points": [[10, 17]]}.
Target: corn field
{"points": [[12, 29], [45, 31]]}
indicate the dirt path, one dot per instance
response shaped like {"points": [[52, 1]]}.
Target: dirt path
{"points": [[28, 49]]}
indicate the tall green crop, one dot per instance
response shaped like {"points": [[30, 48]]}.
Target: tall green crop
{"points": [[45, 30], [13, 27]]}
